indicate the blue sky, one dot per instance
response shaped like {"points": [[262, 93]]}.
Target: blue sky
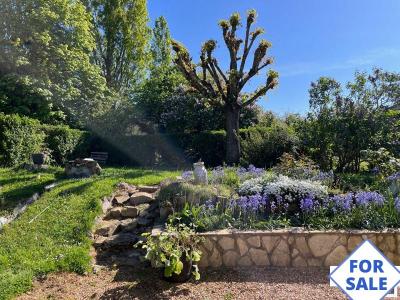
{"points": [[311, 38]]}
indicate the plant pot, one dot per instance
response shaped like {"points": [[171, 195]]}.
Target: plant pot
{"points": [[184, 275], [39, 158]]}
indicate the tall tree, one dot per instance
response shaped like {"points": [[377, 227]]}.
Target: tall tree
{"points": [[51, 42], [122, 40], [226, 88], [161, 45]]}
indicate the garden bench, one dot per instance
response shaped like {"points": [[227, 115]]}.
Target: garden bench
{"points": [[100, 157]]}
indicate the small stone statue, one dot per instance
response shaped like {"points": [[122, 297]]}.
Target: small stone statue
{"points": [[200, 173]]}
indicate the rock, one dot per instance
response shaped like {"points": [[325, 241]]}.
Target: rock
{"points": [[128, 225], [98, 242], [143, 209], [3, 221], [314, 262], [208, 244], [336, 256], [321, 244], [107, 228], [227, 243], [301, 245], [215, 259], [254, 241], [148, 189], [242, 246], [259, 257], [106, 204], [165, 212], [114, 213], [130, 189], [269, 242], [81, 168], [129, 212], [120, 240], [230, 258], [388, 244], [143, 221], [141, 198], [353, 242], [120, 199], [245, 261], [280, 256], [299, 262]]}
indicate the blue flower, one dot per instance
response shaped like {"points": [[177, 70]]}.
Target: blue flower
{"points": [[394, 177], [187, 175], [307, 204], [342, 203], [397, 204], [366, 198]]}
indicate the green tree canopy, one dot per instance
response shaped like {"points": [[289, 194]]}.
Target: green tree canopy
{"points": [[122, 41], [51, 42]]}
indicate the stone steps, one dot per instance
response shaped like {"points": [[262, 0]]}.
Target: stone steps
{"points": [[128, 213]]}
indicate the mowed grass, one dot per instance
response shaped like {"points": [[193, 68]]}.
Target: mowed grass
{"points": [[19, 185], [53, 233]]}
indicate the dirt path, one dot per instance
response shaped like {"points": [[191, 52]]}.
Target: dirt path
{"points": [[226, 285]]}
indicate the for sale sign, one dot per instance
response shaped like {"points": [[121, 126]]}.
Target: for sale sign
{"points": [[366, 274]]}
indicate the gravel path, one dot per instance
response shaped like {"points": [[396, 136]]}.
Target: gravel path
{"points": [[227, 285]]}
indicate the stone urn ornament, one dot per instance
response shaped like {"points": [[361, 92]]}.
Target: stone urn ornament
{"points": [[200, 173]]}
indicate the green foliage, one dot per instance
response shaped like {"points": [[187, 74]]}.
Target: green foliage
{"points": [[168, 249], [65, 143], [51, 43], [57, 238], [179, 193], [19, 138], [371, 217], [18, 95], [262, 146], [340, 125], [122, 41], [161, 46], [381, 162]]}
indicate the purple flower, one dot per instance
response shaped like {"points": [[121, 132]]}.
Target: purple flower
{"points": [[397, 204], [394, 177], [187, 175], [366, 198], [342, 202], [252, 203], [307, 204], [256, 172], [217, 174], [209, 204]]}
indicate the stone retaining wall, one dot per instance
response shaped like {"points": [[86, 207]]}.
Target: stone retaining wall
{"points": [[290, 248]]}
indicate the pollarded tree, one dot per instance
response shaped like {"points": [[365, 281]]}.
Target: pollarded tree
{"points": [[226, 88]]}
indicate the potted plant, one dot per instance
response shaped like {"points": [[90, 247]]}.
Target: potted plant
{"points": [[41, 158], [176, 250]]}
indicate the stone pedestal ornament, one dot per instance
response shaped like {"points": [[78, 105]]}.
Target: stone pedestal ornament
{"points": [[200, 173]]}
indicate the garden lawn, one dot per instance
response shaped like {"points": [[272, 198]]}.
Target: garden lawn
{"points": [[18, 185], [53, 233]]}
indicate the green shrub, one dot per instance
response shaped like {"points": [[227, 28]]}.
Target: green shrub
{"points": [[262, 146], [65, 143], [19, 138]]}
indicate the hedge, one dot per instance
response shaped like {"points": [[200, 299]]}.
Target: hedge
{"points": [[65, 143], [19, 138], [261, 146]]}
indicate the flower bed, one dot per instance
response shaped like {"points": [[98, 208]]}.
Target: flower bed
{"points": [[254, 198], [290, 248]]}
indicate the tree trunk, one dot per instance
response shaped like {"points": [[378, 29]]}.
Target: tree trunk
{"points": [[232, 114]]}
